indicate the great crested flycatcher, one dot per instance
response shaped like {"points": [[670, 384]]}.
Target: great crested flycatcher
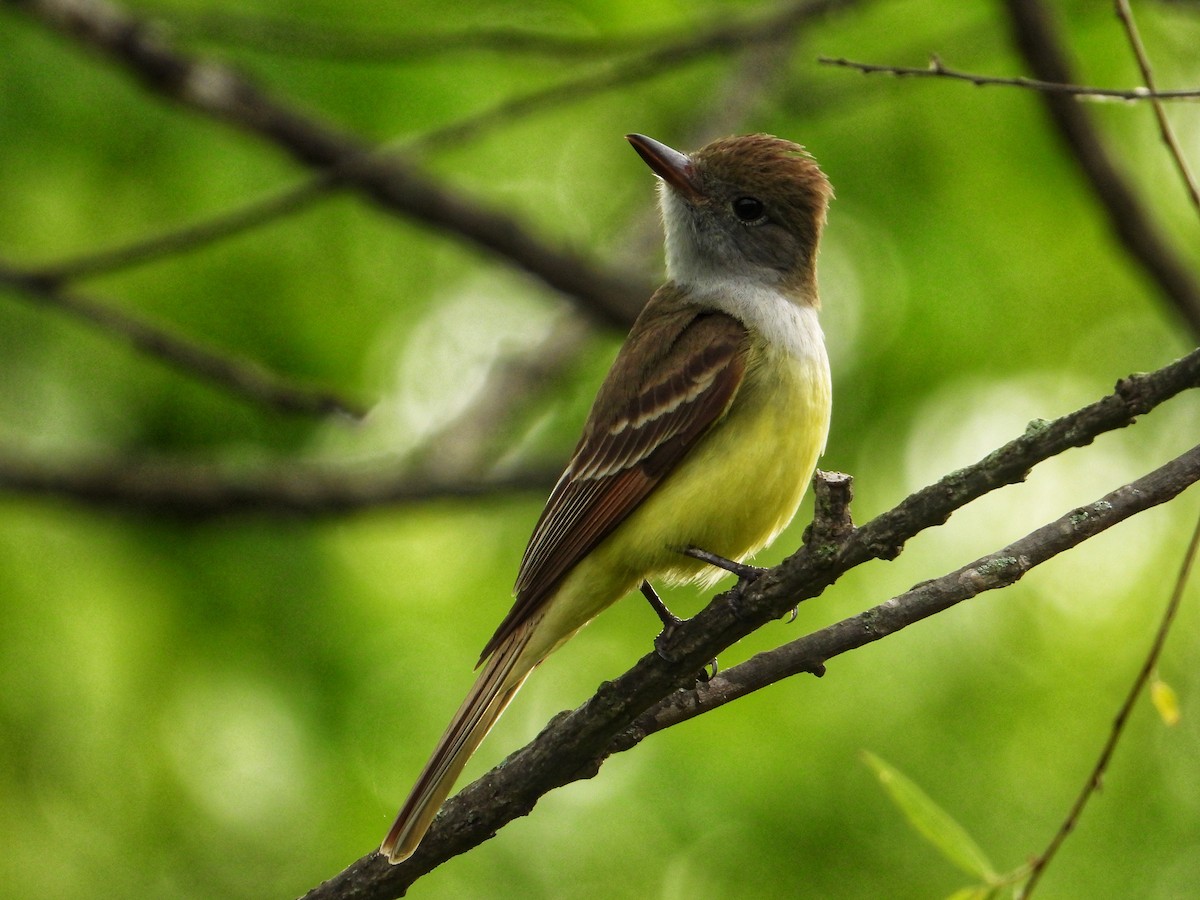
{"points": [[704, 434]]}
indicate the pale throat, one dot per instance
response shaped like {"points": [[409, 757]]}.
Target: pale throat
{"points": [[755, 297]]}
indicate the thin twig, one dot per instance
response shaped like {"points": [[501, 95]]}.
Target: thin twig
{"points": [[1125, 14], [1036, 38], [1038, 865], [333, 42], [937, 69], [188, 238]]}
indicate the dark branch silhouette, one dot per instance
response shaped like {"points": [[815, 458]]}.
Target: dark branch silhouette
{"points": [[656, 57], [199, 491], [395, 185]]}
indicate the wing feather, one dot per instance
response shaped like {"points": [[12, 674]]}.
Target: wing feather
{"points": [[640, 427]]}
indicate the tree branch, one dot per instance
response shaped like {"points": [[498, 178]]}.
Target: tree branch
{"points": [[242, 377], [937, 69], [988, 573], [1125, 14], [199, 491], [1036, 39], [647, 698]]}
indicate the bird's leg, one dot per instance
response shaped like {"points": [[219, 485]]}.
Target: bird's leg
{"points": [[746, 574], [670, 622], [743, 571]]}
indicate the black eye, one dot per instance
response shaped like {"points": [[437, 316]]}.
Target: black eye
{"points": [[748, 209]]}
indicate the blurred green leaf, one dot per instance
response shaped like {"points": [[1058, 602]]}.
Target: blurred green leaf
{"points": [[935, 824]]}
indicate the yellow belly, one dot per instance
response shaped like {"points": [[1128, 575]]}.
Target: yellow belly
{"points": [[732, 495]]}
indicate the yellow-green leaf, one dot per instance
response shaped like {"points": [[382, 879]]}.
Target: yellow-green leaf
{"points": [[1165, 700], [976, 892], [931, 821]]}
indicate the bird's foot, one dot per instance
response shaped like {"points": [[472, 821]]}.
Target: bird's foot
{"points": [[746, 574], [670, 622]]}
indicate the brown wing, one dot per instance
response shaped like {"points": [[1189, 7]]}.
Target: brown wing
{"points": [[639, 428]]}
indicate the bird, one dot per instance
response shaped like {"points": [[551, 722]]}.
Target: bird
{"points": [[703, 436]]}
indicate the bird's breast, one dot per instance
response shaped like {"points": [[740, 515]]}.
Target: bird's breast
{"points": [[743, 481]]}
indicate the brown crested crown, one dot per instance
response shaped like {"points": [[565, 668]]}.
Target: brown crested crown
{"points": [[762, 164]]}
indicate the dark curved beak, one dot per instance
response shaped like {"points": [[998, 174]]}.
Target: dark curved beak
{"points": [[671, 166]]}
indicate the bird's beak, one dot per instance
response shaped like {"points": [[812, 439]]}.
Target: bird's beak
{"points": [[673, 167]]}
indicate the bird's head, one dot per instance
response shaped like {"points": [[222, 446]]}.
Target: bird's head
{"points": [[747, 208]]}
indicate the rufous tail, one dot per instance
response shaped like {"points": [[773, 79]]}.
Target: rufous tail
{"points": [[502, 676]]}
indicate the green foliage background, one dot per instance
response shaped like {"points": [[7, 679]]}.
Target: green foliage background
{"points": [[235, 708]]}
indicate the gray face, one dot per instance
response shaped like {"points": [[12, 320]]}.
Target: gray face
{"points": [[730, 234]]}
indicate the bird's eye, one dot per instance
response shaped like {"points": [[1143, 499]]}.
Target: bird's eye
{"points": [[749, 210]]}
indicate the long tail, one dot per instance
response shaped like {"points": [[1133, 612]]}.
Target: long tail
{"points": [[501, 678]]}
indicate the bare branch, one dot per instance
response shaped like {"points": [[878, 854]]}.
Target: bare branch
{"points": [[1038, 866], [332, 42], [242, 377], [574, 745], [1036, 38], [1125, 14], [936, 69], [198, 490]]}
